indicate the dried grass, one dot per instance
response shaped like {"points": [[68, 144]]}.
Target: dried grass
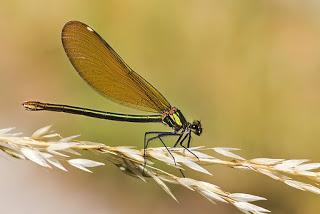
{"points": [[49, 149]]}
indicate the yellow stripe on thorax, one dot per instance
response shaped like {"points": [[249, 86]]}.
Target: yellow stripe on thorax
{"points": [[175, 117]]}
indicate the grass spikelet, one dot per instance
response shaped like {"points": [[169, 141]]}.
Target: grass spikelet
{"points": [[48, 149]]}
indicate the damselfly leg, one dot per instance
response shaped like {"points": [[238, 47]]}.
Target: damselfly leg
{"points": [[159, 136], [187, 135], [182, 137]]}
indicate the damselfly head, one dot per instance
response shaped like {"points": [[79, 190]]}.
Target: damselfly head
{"points": [[196, 128]]}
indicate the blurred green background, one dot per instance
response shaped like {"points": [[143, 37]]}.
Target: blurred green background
{"points": [[249, 70]]}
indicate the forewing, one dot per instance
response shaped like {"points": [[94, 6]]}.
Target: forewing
{"points": [[103, 69]]}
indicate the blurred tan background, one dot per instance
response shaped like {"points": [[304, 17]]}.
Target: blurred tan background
{"points": [[249, 70]]}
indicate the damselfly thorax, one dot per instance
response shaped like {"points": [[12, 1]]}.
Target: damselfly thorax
{"points": [[175, 119]]}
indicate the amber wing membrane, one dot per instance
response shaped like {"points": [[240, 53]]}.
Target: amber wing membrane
{"points": [[103, 69]]}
